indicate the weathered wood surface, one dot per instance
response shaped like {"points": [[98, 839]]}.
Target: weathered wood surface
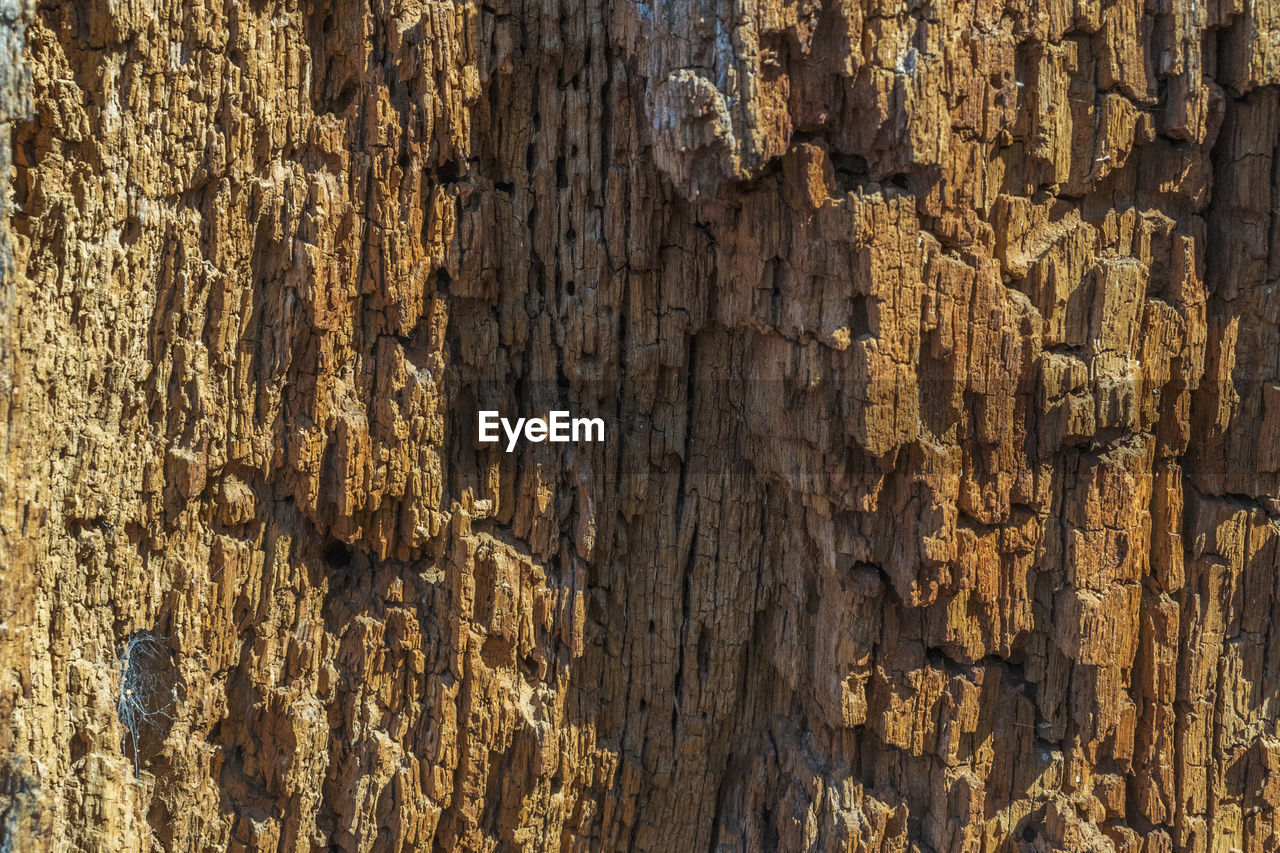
{"points": [[939, 349]]}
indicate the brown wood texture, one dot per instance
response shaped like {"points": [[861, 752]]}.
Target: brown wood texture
{"points": [[939, 347]]}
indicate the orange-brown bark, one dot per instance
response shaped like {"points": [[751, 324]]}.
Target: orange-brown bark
{"points": [[938, 349]]}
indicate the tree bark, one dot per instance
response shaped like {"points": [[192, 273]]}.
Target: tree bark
{"points": [[938, 350]]}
